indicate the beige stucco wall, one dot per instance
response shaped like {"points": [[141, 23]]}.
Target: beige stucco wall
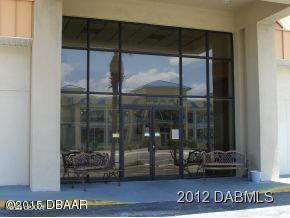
{"points": [[14, 114], [151, 12], [283, 93], [256, 70], [45, 97]]}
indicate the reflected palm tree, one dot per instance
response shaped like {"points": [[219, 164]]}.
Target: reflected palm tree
{"points": [[115, 80]]}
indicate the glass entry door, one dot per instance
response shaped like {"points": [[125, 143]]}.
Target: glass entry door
{"points": [[151, 140]]}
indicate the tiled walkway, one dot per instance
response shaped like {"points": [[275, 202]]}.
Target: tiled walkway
{"points": [[141, 191]]}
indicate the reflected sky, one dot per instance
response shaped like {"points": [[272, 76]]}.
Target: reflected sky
{"points": [[194, 76], [74, 69], [148, 72], [100, 71]]}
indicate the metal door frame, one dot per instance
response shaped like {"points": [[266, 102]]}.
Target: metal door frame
{"points": [[151, 149]]}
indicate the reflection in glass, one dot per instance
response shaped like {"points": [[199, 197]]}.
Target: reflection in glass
{"points": [[194, 76], [166, 142], [104, 34], [74, 32], [147, 38], [220, 45], [193, 42], [221, 78], [150, 74], [104, 71], [104, 126], [195, 129], [73, 70], [222, 130], [73, 122], [149, 101], [137, 131]]}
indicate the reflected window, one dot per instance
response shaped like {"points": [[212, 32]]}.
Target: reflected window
{"points": [[150, 74], [147, 38], [193, 43], [222, 125], [194, 76], [221, 78], [195, 123], [220, 45], [73, 70], [195, 129], [104, 116], [74, 32], [104, 71], [104, 34], [149, 101], [73, 122]]}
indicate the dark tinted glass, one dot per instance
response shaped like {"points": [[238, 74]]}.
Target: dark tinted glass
{"points": [[222, 125], [193, 43], [104, 34], [74, 32], [195, 128], [104, 128], [150, 74], [194, 76], [146, 38], [104, 71], [220, 45], [221, 78], [104, 120], [73, 70], [73, 122]]}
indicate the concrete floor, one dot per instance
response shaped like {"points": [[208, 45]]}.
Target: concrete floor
{"points": [[140, 191]]}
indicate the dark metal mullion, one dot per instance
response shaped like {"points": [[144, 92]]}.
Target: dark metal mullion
{"points": [[121, 114], [149, 53], [208, 92], [181, 167], [88, 85], [233, 90]]}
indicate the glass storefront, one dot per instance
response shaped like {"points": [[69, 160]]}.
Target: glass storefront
{"points": [[146, 95]]}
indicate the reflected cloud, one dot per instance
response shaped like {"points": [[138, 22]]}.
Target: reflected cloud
{"points": [[140, 79], [66, 69], [174, 61], [197, 89]]}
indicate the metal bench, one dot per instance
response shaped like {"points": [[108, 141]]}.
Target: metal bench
{"points": [[194, 158], [67, 161], [224, 160], [84, 163]]}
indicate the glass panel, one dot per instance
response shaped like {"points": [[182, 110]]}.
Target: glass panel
{"points": [[73, 122], [222, 125], [221, 78], [73, 126], [149, 100], [74, 32], [104, 34], [194, 76], [104, 71], [73, 70], [137, 139], [220, 45], [147, 38], [166, 141], [104, 128], [193, 43], [150, 74], [195, 132]]}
